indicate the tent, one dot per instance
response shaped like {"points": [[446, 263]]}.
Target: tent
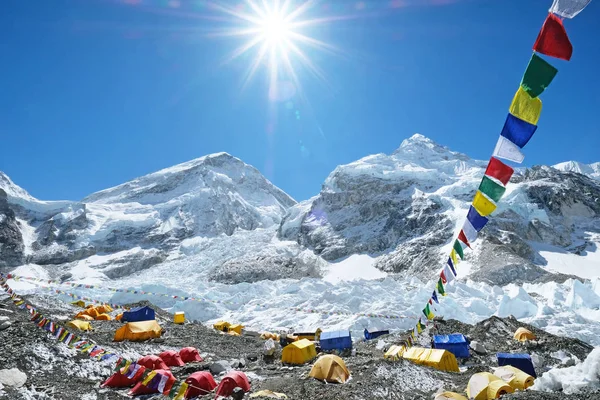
{"points": [[232, 380], [450, 396], [84, 317], [119, 317], [299, 352], [171, 358], [201, 383], [394, 353], [520, 361], [118, 380], [104, 308], [237, 328], [79, 303], [138, 314], [375, 333], [516, 378], [154, 385], [179, 317], [434, 358], [91, 311], [314, 336], [337, 340], [222, 326], [330, 368], [522, 335], [103, 317], [78, 324], [456, 344], [138, 331], [190, 354], [485, 386], [152, 362]]}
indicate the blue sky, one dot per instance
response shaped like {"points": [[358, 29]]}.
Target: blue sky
{"points": [[97, 92]]}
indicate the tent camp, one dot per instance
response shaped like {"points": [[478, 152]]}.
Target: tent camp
{"points": [[375, 333], [434, 358], [190, 354], [232, 380], [152, 362], [520, 361], [222, 326], [456, 344], [330, 368], [516, 378], [138, 331], [138, 314], [200, 383], [485, 386], [299, 352], [523, 335], [337, 340], [171, 358], [118, 380], [394, 353], [80, 325], [450, 396], [154, 386]]}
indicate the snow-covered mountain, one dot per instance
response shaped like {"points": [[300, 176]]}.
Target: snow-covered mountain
{"points": [[591, 170]]}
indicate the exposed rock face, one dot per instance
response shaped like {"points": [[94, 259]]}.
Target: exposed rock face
{"points": [[11, 240]]}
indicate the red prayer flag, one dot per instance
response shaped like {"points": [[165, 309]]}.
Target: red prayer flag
{"points": [[443, 277], [497, 169], [553, 40], [463, 238]]}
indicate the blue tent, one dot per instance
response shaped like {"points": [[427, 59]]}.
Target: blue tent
{"points": [[520, 361], [456, 344], [375, 333], [337, 340], [138, 314]]}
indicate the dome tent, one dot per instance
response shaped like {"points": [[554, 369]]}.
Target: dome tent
{"points": [[138, 331], [154, 385], [152, 362], [171, 358], [232, 380], [200, 383], [190, 354], [330, 368], [119, 380], [484, 386]]}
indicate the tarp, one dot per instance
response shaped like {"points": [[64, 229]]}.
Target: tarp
{"points": [[456, 344], [516, 378], [394, 353], [200, 383], [520, 361], [330, 368], [171, 358], [299, 352], [523, 335], [373, 333], [190, 354], [232, 380], [78, 324], [138, 331], [138, 314], [156, 385], [538, 76], [485, 386], [152, 362], [336, 340], [438, 359], [553, 40]]}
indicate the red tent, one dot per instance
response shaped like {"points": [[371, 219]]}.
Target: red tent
{"points": [[153, 362], [190, 354], [118, 380], [232, 380], [200, 383], [152, 386], [171, 358]]}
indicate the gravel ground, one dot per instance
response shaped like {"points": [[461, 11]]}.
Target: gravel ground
{"points": [[57, 372]]}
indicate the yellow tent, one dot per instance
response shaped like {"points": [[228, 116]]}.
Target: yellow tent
{"points": [[330, 368], [103, 317], [222, 326], [84, 317], [138, 331], [450, 396], [485, 386], [299, 352], [394, 353], [236, 328], [119, 316], [81, 325], [91, 311], [516, 378], [179, 317], [268, 394], [79, 303], [523, 335], [104, 309], [435, 358]]}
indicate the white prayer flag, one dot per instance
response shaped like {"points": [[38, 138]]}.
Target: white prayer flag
{"points": [[568, 8], [508, 150]]}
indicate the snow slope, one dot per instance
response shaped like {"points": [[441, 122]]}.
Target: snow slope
{"points": [[591, 170]]}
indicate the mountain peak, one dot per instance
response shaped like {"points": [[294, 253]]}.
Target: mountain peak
{"points": [[591, 170], [422, 150]]}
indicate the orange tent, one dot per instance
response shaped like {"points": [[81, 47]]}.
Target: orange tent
{"points": [[103, 317], [84, 317]]}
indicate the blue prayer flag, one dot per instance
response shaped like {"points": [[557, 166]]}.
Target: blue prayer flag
{"points": [[476, 219], [517, 131]]}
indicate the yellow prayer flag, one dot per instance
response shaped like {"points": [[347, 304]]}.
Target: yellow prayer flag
{"points": [[146, 381], [454, 257], [123, 370], [483, 205], [526, 107], [181, 393]]}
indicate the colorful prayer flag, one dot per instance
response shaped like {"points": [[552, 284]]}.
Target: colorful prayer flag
{"points": [[476, 220], [491, 189], [463, 237], [422, 325], [553, 40], [419, 329], [508, 150], [443, 276], [483, 205], [459, 250], [568, 8], [454, 257], [448, 274], [526, 107], [451, 265], [538, 76], [428, 312], [517, 131], [434, 297], [440, 287]]}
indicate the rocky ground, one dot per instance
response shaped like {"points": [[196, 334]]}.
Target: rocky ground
{"points": [[57, 372]]}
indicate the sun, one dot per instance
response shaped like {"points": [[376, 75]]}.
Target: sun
{"points": [[277, 33]]}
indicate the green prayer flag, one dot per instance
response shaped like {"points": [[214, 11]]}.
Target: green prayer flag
{"points": [[491, 189], [538, 75], [440, 287], [459, 250], [422, 325]]}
